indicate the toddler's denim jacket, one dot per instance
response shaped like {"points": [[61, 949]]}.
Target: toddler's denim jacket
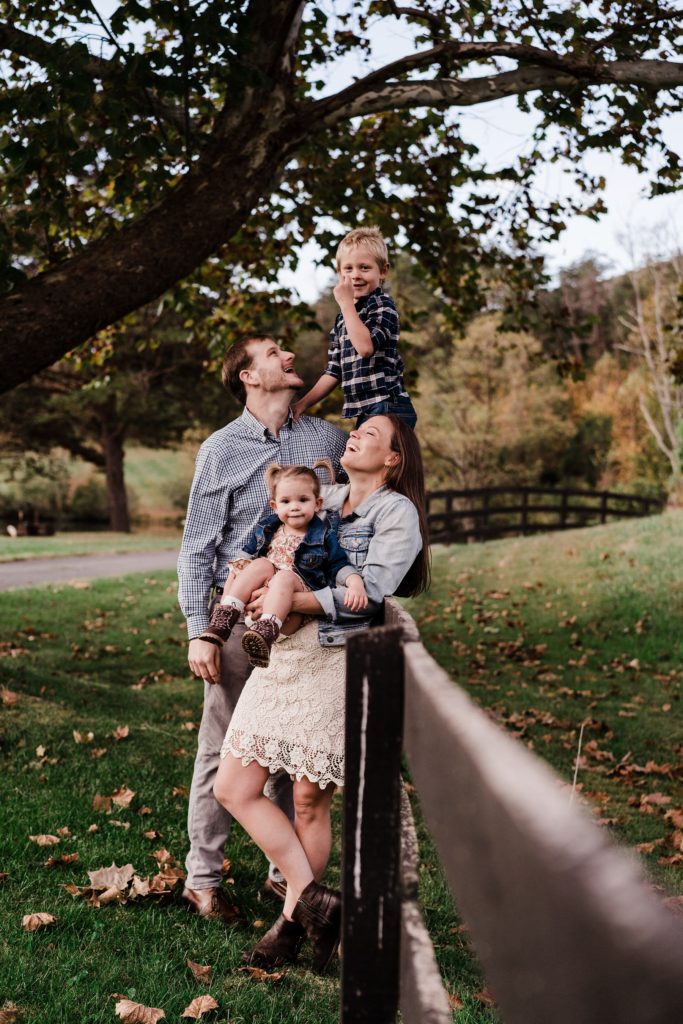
{"points": [[319, 560]]}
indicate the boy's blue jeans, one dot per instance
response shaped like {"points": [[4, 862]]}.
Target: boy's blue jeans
{"points": [[401, 407]]}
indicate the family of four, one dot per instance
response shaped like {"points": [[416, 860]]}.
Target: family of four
{"points": [[278, 564]]}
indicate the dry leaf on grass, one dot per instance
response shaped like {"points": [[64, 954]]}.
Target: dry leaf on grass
{"points": [[129, 1012], [32, 922], [455, 1002], [83, 737], [163, 857], [9, 1014], [9, 697], [113, 876], [64, 831], [98, 752], [66, 858], [122, 796], [101, 803], [198, 1007], [45, 840], [180, 791], [202, 973], [152, 834], [41, 751], [121, 732], [258, 974], [4, 875]]}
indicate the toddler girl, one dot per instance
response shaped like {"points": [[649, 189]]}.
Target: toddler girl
{"points": [[290, 550]]}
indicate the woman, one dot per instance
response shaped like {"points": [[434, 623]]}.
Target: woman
{"points": [[291, 715]]}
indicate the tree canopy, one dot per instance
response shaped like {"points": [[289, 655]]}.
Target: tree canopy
{"points": [[135, 146]]}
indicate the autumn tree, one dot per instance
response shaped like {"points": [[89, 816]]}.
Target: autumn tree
{"points": [[135, 147]]}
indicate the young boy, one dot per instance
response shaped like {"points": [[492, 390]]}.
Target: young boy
{"points": [[363, 352]]}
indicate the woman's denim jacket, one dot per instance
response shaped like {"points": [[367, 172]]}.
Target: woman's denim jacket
{"points": [[319, 560], [382, 539]]}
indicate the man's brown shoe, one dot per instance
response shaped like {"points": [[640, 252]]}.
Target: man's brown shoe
{"points": [[318, 911], [279, 946], [274, 889], [211, 903]]}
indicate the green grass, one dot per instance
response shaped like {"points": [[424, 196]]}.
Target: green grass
{"points": [[499, 618], [14, 549], [551, 631]]}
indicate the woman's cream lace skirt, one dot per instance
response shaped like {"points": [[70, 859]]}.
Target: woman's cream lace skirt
{"points": [[291, 714]]}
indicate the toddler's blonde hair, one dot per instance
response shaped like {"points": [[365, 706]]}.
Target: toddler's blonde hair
{"points": [[370, 239], [275, 473]]}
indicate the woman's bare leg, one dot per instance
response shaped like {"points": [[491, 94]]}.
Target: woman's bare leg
{"points": [[313, 823], [240, 790]]}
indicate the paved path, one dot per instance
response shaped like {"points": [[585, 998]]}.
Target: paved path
{"points": [[36, 571]]}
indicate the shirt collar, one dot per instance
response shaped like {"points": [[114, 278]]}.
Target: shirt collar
{"points": [[255, 426], [371, 500], [364, 298]]}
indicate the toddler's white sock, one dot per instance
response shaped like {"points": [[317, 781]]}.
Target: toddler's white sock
{"points": [[234, 601]]}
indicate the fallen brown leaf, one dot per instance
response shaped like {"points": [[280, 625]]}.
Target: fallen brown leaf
{"points": [[64, 831], [163, 857], [180, 791], [152, 834], [455, 1002], [119, 824], [122, 796], [4, 875], [113, 876], [83, 737], [45, 840], [98, 752], [9, 697], [101, 803], [41, 751], [258, 974], [32, 922], [135, 1013], [202, 973], [66, 858], [121, 732], [9, 1014], [199, 1006]]}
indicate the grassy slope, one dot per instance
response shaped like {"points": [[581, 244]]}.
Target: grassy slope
{"points": [[584, 626]]}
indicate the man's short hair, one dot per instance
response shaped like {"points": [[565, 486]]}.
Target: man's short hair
{"points": [[239, 357], [370, 239]]}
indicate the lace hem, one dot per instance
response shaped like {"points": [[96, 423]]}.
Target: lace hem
{"points": [[276, 755]]}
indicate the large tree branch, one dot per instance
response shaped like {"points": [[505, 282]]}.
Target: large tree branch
{"points": [[61, 54], [651, 74], [447, 92]]}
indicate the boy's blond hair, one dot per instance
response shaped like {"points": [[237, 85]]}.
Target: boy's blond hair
{"points": [[370, 239]]}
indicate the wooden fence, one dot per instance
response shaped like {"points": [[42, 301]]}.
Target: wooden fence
{"points": [[482, 513], [564, 922]]}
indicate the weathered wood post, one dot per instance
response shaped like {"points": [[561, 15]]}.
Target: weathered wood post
{"points": [[371, 838]]}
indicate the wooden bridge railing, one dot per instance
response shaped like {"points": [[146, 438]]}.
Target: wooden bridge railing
{"points": [[565, 924], [480, 513]]}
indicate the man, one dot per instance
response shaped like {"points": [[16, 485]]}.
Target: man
{"points": [[228, 495]]}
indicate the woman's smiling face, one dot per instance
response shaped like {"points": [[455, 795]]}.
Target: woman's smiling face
{"points": [[368, 448]]}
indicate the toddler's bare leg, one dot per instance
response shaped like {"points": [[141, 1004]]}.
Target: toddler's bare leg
{"points": [[242, 584], [278, 598]]}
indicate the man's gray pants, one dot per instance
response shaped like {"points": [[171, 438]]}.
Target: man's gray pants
{"points": [[208, 823]]}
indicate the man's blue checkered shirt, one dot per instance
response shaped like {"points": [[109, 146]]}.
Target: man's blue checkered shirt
{"points": [[367, 380], [229, 495]]}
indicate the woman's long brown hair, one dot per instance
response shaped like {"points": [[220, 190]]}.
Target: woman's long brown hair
{"points": [[407, 477]]}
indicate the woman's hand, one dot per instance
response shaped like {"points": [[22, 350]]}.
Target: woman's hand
{"points": [[204, 660], [254, 606], [355, 598]]}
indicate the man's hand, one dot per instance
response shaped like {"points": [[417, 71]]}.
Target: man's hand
{"points": [[205, 660], [343, 291], [355, 597]]}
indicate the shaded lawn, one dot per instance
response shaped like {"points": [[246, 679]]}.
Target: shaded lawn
{"points": [[90, 659]]}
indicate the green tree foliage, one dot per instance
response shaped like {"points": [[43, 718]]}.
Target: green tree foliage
{"points": [[134, 147]]}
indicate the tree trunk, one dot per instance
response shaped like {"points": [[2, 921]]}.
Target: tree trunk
{"points": [[112, 446]]}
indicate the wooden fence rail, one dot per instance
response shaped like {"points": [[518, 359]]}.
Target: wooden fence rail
{"points": [[482, 513], [564, 922]]}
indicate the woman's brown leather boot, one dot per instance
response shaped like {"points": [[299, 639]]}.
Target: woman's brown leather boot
{"points": [[279, 946], [318, 910]]}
